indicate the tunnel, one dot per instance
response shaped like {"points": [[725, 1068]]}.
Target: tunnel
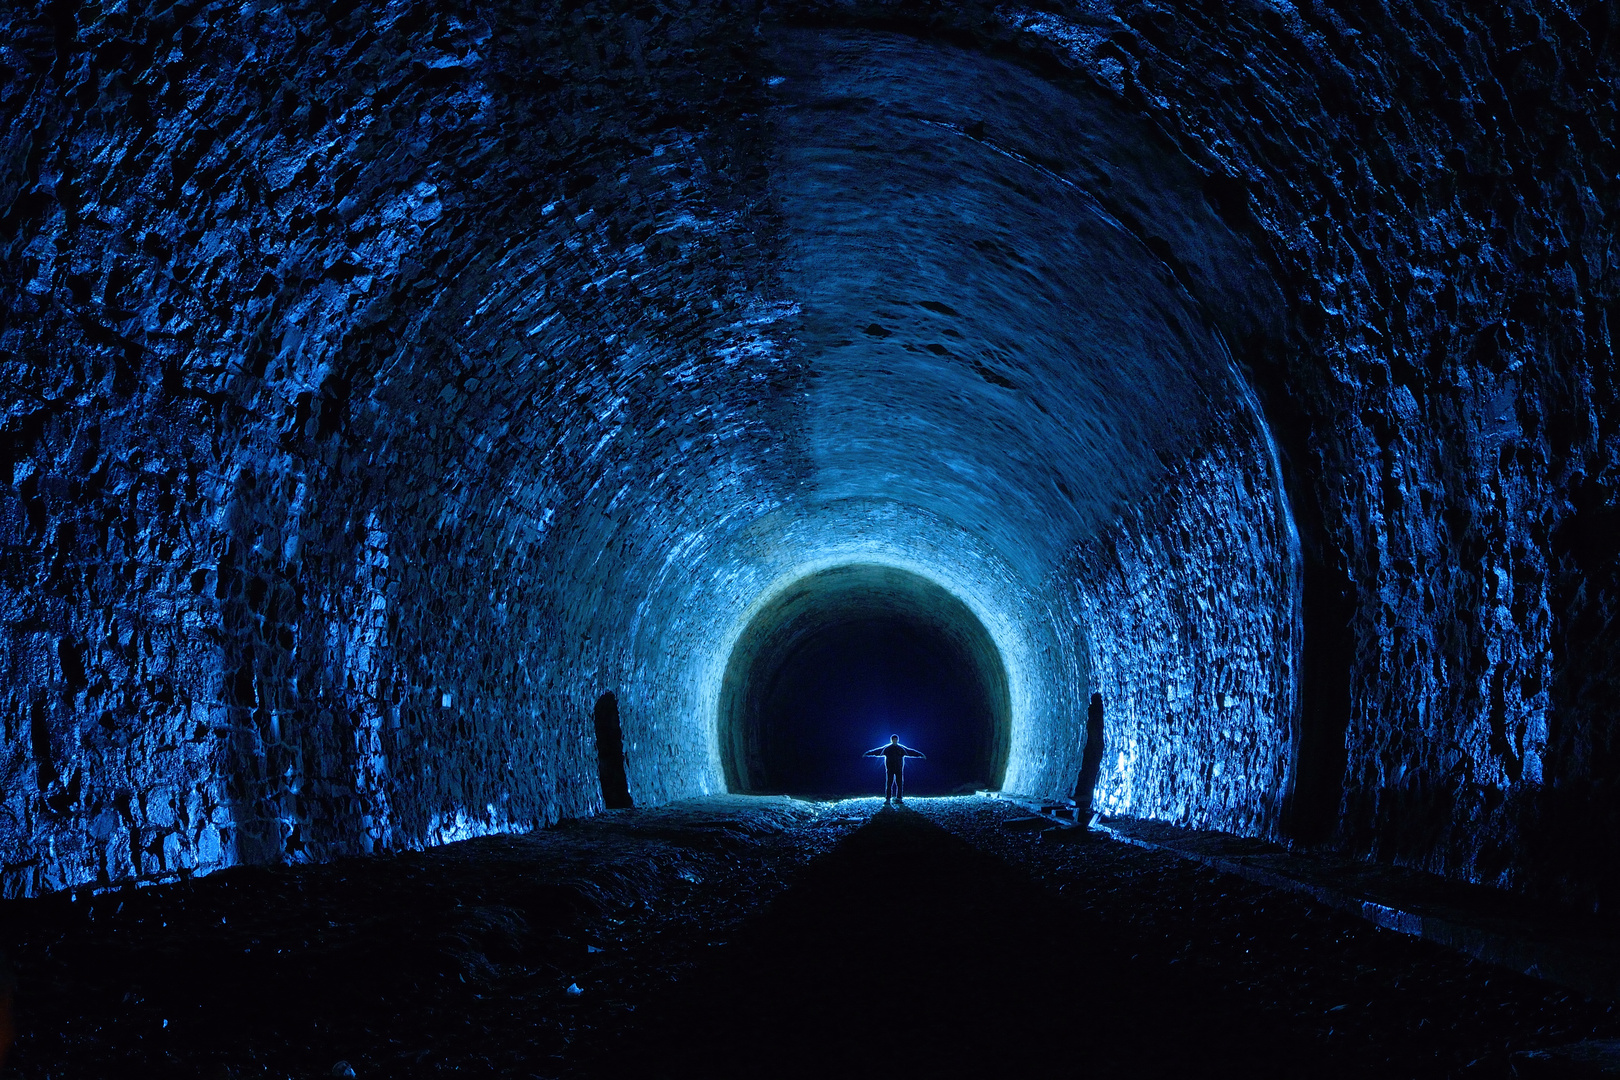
{"points": [[849, 656], [431, 423], [477, 431]]}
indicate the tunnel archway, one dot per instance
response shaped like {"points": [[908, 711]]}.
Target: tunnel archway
{"points": [[843, 658], [516, 387]]}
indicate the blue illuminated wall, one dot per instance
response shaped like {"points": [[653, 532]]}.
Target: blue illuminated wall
{"points": [[386, 383]]}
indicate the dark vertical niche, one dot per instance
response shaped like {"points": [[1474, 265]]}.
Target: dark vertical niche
{"points": [[1313, 811], [610, 754]]}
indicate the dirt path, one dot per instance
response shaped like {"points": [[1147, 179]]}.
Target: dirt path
{"points": [[1377, 1002], [455, 961], [765, 937], [908, 952]]}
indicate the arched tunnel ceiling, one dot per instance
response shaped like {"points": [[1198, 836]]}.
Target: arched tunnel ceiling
{"points": [[384, 384], [983, 339], [921, 307], [900, 325]]}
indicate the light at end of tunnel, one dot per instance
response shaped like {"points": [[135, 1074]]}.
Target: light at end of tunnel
{"points": [[853, 655], [1042, 648]]}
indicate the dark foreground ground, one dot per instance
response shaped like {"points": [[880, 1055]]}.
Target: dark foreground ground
{"points": [[755, 937]]}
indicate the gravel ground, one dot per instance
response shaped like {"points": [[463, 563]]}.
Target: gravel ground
{"points": [[1385, 1004], [735, 936], [456, 960]]}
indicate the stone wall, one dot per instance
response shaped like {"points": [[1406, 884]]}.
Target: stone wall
{"points": [[1435, 193], [283, 515], [383, 383], [1191, 603]]}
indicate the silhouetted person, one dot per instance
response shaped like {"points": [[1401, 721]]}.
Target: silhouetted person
{"points": [[894, 759], [1090, 761]]}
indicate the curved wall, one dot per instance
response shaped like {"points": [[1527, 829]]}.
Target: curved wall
{"points": [[1433, 190], [399, 382], [384, 384]]}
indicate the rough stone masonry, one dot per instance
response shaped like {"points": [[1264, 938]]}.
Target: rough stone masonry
{"points": [[384, 382]]}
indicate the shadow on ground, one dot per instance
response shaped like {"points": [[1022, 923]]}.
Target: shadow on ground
{"points": [[907, 952], [770, 937]]}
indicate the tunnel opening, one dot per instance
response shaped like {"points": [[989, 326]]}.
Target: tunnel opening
{"points": [[841, 660], [610, 754]]}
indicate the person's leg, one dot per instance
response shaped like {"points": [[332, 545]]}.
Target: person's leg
{"points": [[899, 786]]}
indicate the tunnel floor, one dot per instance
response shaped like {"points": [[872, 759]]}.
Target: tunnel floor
{"points": [[762, 937]]}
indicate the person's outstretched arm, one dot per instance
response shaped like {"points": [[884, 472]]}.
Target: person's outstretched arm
{"points": [[874, 752], [913, 753]]}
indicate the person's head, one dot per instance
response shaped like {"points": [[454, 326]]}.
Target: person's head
{"points": [[894, 738], [1096, 700]]}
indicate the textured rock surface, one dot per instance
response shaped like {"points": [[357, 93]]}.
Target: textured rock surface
{"points": [[1435, 194], [385, 383], [1192, 605], [300, 301]]}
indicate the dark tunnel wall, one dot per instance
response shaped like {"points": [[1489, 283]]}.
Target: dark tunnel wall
{"points": [[384, 385]]}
